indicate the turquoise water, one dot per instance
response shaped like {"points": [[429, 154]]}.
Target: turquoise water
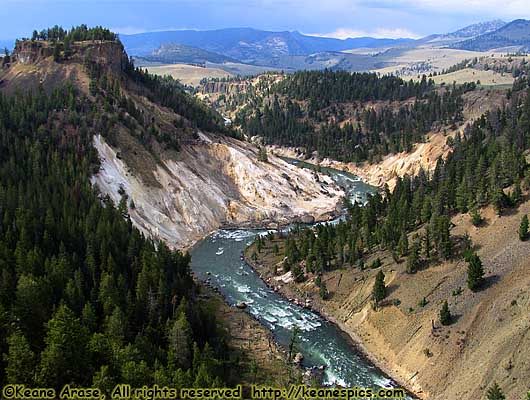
{"points": [[218, 258]]}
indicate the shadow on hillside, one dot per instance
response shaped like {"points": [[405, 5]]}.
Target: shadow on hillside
{"points": [[390, 289], [489, 281]]}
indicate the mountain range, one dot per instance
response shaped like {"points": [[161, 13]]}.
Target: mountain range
{"points": [[515, 34], [294, 50], [172, 53], [250, 45]]}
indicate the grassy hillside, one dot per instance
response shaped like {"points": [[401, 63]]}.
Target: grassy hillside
{"points": [[188, 74]]}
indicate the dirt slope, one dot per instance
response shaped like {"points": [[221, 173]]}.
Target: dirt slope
{"points": [[490, 338]]}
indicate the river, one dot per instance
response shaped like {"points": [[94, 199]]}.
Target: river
{"points": [[218, 258]]}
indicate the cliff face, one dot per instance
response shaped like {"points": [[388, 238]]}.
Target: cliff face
{"points": [[33, 65], [27, 52], [211, 184], [108, 53], [224, 87]]}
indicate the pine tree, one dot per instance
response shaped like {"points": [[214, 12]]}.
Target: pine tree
{"points": [[298, 273], [180, 341], [427, 242], [403, 244], [476, 217], [57, 52], [293, 343], [379, 289], [104, 380], [20, 360], [516, 194], [475, 273], [523, 228], [323, 291], [445, 314], [495, 393], [64, 359], [413, 260], [262, 155], [462, 193], [500, 201]]}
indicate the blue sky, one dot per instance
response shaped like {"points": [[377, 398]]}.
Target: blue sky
{"points": [[338, 18]]}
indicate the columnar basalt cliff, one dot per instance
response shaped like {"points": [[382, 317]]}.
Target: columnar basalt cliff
{"points": [[220, 87]]}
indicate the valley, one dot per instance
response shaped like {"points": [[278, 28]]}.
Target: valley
{"points": [[188, 225], [143, 163], [188, 74]]}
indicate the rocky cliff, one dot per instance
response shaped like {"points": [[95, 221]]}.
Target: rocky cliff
{"points": [[220, 87], [176, 195], [33, 64], [214, 183]]}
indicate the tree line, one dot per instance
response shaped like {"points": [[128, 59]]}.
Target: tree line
{"points": [[370, 134], [326, 87], [75, 34]]}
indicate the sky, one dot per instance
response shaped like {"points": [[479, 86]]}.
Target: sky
{"points": [[334, 18]]}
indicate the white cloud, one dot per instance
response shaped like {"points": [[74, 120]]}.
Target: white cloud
{"points": [[388, 33], [506, 8]]}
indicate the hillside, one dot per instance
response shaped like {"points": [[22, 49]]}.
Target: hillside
{"points": [[85, 298], [191, 75], [514, 35], [167, 153], [350, 117], [296, 117], [489, 340], [172, 53]]}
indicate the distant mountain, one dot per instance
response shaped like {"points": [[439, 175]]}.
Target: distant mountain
{"points": [[250, 45], [465, 33], [291, 51], [172, 53], [481, 28], [515, 33]]}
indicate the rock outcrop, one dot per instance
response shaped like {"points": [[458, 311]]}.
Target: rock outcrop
{"points": [[220, 87], [217, 182]]}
